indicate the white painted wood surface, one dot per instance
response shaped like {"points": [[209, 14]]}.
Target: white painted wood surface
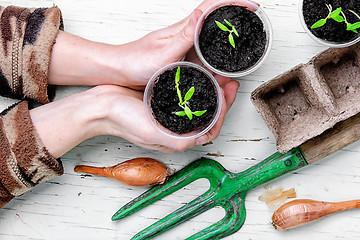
{"points": [[77, 207]]}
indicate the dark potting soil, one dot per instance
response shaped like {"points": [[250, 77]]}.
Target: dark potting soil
{"points": [[165, 101], [314, 10], [249, 46]]}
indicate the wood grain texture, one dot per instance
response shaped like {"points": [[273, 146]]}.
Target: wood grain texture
{"points": [[75, 206], [332, 140]]}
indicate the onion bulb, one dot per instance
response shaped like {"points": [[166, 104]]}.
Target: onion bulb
{"points": [[134, 172], [302, 211]]}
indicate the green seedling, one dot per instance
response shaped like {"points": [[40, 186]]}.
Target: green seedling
{"points": [[353, 26], [335, 15], [184, 103], [226, 29]]}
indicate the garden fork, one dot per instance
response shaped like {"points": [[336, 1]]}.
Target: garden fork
{"points": [[228, 190]]}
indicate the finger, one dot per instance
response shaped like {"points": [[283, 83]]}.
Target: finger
{"points": [[201, 8], [229, 95], [230, 91], [183, 41], [215, 130], [222, 80], [250, 5], [163, 149], [156, 147], [192, 56], [167, 144], [205, 4], [176, 145]]}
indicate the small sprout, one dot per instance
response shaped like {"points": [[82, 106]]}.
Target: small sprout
{"points": [[335, 15], [184, 103], [226, 29], [349, 26], [353, 26]]}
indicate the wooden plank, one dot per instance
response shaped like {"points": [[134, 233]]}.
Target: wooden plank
{"points": [[76, 207]]}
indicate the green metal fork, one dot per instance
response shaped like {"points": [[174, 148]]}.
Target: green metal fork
{"points": [[228, 189]]}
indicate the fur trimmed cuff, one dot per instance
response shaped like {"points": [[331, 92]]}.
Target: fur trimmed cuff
{"points": [[26, 40], [24, 161]]}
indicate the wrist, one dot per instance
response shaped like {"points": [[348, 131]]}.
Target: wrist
{"points": [[65, 123]]}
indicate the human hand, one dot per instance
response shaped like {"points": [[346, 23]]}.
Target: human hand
{"points": [[127, 118], [112, 110], [159, 48], [131, 64]]}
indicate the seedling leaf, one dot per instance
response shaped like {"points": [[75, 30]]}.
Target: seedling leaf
{"points": [[199, 113], [180, 113], [234, 30], [319, 23], [353, 26], [338, 18], [231, 40], [222, 27], [228, 23], [189, 94], [335, 13], [188, 112], [177, 76]]}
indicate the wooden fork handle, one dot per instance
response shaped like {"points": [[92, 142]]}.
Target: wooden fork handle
{"points": [[342, 134]]}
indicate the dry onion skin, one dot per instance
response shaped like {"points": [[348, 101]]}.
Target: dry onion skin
{"points": [[303, 211], [275, 196], [134, 172]]}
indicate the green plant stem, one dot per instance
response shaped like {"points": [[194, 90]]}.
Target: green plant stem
{"points": [[184, 103], [354, 13], [345, 20], [330, 9]]}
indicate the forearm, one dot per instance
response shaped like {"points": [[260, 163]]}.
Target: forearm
{"points": [[65, 123], [78, 61]]}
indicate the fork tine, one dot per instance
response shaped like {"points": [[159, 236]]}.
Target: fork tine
{"points": [[232, 222], [195, 170], [186, 212]]}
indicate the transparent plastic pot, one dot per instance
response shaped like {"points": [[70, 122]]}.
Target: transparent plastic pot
{"points": [[319, 40], [252, 6], [148, 97]]}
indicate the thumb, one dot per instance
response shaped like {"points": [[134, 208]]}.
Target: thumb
{"points": [[184, 39]]}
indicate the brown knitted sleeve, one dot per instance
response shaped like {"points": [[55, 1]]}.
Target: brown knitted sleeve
{"points": [[26, 40], [24, 161]]}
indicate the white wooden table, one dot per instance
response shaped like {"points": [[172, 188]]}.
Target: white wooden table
{"points": [[77, 207]]}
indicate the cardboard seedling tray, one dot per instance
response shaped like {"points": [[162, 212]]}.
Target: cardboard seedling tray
{"points": [[310, 98]]}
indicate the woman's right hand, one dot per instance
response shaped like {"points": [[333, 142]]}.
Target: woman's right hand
{"points": [[112, 110], [131, 64]]}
